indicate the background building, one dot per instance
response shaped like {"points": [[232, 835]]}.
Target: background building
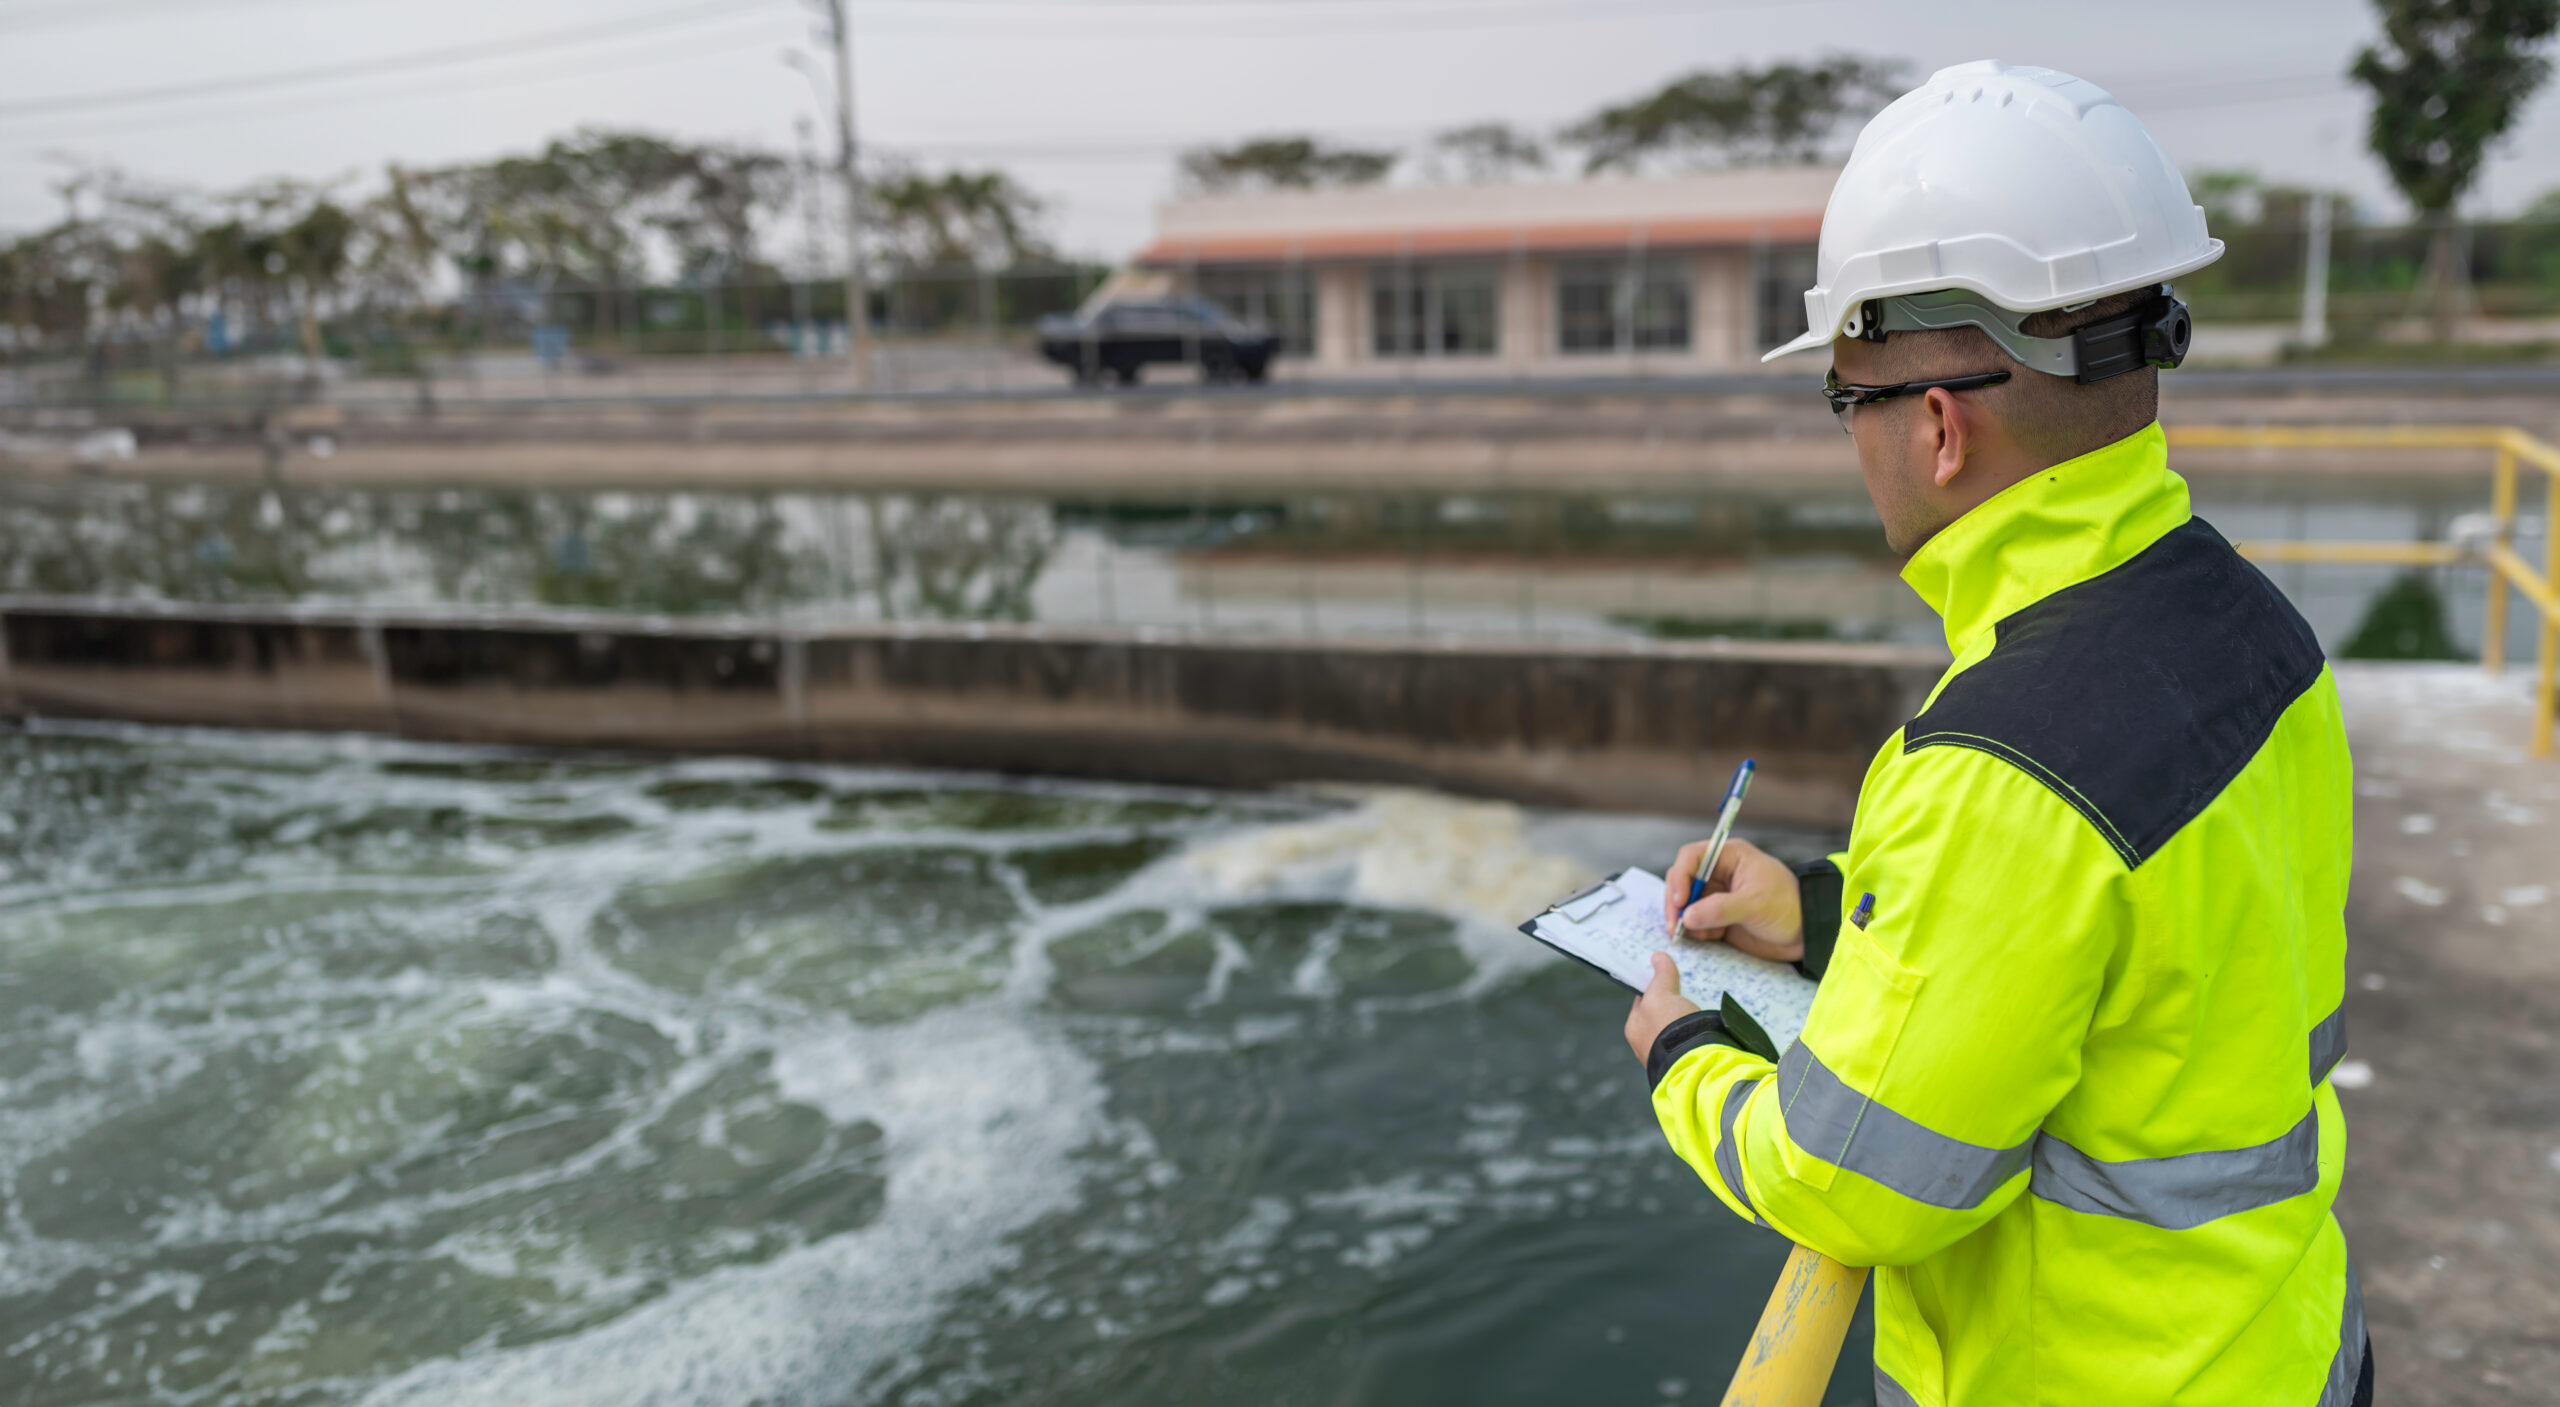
{"points": [[1677, 272]]}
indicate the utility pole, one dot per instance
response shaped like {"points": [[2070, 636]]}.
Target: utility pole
{"points": [[2315, 270], [857, 296], [806, 338]]}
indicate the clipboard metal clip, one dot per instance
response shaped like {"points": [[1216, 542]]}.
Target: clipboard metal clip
{"points": [[1581, 906]]}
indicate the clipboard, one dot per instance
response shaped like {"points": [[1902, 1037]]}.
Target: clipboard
{"points": [[1614, 928]]}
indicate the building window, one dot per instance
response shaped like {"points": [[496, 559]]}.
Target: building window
{"points": [[1782, 276], [1435, 310], [1621, 305], [1281, 297]]}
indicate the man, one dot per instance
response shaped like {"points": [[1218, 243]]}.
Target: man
{"points": [[2065, 1083]]}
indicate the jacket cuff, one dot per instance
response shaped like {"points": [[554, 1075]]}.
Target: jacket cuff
{"points": [[1683, 1035], [1818, 892]]}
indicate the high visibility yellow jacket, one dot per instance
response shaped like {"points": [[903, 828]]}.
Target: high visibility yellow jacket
{"points": [[2067, 1088]]}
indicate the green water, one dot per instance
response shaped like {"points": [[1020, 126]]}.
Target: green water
{"points": [[349, 1072]]}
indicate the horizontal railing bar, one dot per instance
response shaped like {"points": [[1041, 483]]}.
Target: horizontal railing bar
{"points": [[2340, 436], [2414, 554], [2539, 453]]}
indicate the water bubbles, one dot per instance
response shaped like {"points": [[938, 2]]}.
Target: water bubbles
{"points": [[449, 1076]]}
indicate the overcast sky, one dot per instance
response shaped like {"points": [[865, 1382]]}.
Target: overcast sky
{"points": [[1086, 100]]}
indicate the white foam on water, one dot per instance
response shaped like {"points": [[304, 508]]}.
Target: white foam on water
{"points": [[981, 1112], [992, 1117], [1470, 861]]}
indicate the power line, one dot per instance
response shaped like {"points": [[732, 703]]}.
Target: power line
{"points": [[690, 48], [1530, 12], [2208, 94], [83, 14], [1472, 16], [1426, 16], [376, 67]]}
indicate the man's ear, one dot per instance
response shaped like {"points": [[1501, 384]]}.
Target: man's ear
{"points": [[1953, 434]]}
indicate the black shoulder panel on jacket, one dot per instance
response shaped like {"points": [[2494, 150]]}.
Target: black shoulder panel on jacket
{"points": [[2138, 695]]}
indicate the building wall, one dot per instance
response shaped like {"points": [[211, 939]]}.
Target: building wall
{"points": [[1722, 227], [1425, 217], [1527, 309], [1723, 319], [1724, 303]]}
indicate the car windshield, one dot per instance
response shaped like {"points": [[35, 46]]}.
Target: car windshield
{"points": [[1198, 310]]}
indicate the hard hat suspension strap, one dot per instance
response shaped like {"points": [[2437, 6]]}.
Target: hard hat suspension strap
{"points": [[2154, 334]]}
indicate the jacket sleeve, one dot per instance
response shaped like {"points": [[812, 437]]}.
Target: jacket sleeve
{"points": [[1942, 1035]]}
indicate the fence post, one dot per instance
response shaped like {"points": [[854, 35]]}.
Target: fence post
{"points": [[2502, 499]]}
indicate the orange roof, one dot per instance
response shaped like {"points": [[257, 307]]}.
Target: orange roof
{"points": [[1375, 244]]}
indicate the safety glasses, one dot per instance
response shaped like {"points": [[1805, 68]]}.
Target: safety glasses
{"points": [[1842, 395]]}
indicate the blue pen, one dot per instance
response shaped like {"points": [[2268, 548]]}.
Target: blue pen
{"points": [[1715, 842]]}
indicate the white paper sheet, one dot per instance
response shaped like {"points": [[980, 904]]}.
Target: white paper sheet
{"points": [[1616, 926]]}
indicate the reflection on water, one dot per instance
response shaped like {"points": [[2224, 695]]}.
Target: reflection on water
{"points": [[344, 1072], [1756, 561]]}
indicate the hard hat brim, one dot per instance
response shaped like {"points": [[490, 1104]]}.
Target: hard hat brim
{"points": [[1821, 336], [1814, 337]]}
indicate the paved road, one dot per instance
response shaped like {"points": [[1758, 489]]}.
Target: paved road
{"points": [[774, 382], [2344, 382]]}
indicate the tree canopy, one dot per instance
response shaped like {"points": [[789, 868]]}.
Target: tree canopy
{"points": [[1287, 163], [598, 207], [1485, 151], [1741, 116], [976, 219]]}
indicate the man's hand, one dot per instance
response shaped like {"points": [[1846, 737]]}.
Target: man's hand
{"points": [[1751, 902], [1659, 1006]]}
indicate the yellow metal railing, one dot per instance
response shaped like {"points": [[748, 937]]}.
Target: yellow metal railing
{"points": [[2507, 569]]}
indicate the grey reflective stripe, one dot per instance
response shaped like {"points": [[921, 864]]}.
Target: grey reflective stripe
{"points": [[1728, 1155], [2348, 1366], [2185, 1190], [1835, 1123], [1892, 1394], [2328, 1045]]}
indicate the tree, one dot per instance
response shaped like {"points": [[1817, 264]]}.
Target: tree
{"points": [[1485, 151], [2449, 78], [1745, 116], [962, 219], [1282, 163], [316, 247], [592, 207], [719, 195]]}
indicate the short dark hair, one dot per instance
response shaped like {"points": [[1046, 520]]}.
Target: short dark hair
{"points": [[2054, 417]]}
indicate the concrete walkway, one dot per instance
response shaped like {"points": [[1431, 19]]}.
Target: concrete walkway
{"points": [[2452, 1197]]}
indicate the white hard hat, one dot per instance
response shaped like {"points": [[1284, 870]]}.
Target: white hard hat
{"points": [[2025, 188]]}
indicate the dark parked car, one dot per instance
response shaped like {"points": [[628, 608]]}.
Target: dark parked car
{"points": [[1117, 339]]}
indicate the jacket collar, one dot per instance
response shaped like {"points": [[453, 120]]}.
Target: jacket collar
{"points": [[2057, 528]]}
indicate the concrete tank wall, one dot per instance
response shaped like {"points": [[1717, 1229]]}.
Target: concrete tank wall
{"points": [[1634, 727]]}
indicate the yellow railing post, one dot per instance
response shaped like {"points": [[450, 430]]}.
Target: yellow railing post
{"points": [[1798, 1342], [2547, 658], [2502, 500]]}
